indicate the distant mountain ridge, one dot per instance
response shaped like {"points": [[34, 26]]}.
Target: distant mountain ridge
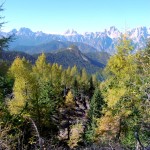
{"points": [[53, 46], [102, 41]]}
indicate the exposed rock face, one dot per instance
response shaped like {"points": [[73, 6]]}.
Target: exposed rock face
{"points": [[73, 116]]}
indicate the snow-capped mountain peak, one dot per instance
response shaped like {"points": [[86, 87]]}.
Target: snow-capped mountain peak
{"points": [[113, 32], [70, 32], [25, 31]]}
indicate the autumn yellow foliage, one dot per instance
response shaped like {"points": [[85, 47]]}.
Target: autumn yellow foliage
{"points": [[76, 135], [70, 100]]}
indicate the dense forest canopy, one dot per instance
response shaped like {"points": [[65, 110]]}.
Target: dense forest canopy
{"points": [[43, 106]]}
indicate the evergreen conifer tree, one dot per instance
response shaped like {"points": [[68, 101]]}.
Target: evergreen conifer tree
{"points": [[4, 41], [96, 106]]}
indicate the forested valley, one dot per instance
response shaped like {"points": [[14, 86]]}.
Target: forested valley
{"points": [[45, 106]]}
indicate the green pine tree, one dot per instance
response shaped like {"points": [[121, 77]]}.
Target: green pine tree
{"points": [[4, 41], [91, 87], [96, 105]]}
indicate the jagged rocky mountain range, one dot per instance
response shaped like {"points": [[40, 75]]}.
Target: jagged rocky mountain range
{"points": [[100, 41]]}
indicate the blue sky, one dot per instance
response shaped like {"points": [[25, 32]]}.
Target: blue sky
{"points": [[56, 16]]}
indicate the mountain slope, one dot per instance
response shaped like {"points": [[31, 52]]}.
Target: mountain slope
{"points": [[11, 55], [101, 57], [72, 56]]}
